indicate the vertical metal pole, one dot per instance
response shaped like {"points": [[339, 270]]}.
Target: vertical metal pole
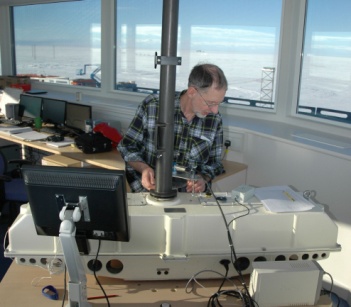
{"points": [[165, 126]]}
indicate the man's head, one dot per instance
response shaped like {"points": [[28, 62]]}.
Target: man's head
{"points": [[204, 76], [207, 86]]}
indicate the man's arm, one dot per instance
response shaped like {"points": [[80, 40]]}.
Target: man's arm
{"points": [[147, 174]]}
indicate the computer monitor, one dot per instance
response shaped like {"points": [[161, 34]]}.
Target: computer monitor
{"points": [[77, 114], [77, 204], [53, 111], [30, 107], [101, 191]]}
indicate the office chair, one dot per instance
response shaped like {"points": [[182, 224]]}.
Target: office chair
{"points": [[12, 190]]}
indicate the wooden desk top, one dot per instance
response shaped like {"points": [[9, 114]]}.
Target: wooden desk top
{"points": [[22, 285], [109, 160], [231, 168]]}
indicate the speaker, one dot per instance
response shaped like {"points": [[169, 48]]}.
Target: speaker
{"points": [[12, 110]]}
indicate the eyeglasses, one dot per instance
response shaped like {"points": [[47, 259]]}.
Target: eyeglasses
{"points": [[210, 105]]}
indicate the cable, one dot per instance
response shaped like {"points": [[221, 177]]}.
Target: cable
{"points": [[330, 291], [247, 213], [54, 265], [193, 279], [5, 239], [245, 296], [97, 280], [225, 263]]}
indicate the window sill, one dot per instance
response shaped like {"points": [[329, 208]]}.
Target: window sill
{"points": [[313, 139]]}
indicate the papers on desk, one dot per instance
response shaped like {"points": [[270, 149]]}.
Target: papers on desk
{"points": [[30, 136], [14, 129], [64, 143], [282, 199]]}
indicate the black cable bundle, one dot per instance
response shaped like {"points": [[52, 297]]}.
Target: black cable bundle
{"points": [[244, 294]]}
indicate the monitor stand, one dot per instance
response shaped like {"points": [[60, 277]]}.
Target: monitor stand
{"points": [[77, 285]]}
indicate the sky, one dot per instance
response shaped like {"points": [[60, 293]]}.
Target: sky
{"points": [[246, 26], [79, 18]]}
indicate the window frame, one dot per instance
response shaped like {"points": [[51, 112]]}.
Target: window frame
{"points": [[287, 73]]}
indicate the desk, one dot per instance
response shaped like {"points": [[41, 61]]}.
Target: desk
{"points": [[16, 289], [234, 176], [110, 160]]}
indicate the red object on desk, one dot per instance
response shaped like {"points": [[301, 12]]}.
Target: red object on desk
{"points": [[25, 87], [109, 132]]}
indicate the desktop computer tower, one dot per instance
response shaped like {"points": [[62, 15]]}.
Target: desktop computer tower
{"points": [[12, 111], [286, 283]]}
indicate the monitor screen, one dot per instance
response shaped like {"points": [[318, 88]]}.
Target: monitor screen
{"points": [[54, 111], [76, 115], [103, 192], [30, 106]]}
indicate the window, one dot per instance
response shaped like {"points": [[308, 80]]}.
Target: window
{"points": [[138, 38], [59, 42], [325, 81], [242, 37]]}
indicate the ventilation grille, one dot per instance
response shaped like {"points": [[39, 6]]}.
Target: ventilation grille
{"points": [[71, 180]]}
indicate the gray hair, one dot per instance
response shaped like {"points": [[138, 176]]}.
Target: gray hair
{"points": [[203, 76]]}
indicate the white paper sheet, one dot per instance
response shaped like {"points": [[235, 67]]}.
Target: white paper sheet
{"points": [[282, 199], [30, 136]]}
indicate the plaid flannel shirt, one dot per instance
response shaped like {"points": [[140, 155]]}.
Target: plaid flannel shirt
{"points": [[197, 144]]}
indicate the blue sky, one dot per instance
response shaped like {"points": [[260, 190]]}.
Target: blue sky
{"points": [[61, 23], [227, 25], [81, 15]]}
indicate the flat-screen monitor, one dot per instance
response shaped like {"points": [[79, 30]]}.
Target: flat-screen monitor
{"points": [[100, 192], [53, 111], [30, 106], [77, 114]]}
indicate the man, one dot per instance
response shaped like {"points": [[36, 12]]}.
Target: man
{"points": [[198, 132]]}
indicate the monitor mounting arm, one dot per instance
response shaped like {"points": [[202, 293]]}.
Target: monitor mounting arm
{"points": [[77, 285]]}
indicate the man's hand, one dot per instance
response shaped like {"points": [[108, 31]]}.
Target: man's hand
{"points": [[196, 186], [148, 178], [147, 174]]}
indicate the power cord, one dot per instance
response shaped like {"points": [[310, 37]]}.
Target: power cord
{"points": [[96, 278], [193, 280], [333, 296], [236, 293], [243, 295]]}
